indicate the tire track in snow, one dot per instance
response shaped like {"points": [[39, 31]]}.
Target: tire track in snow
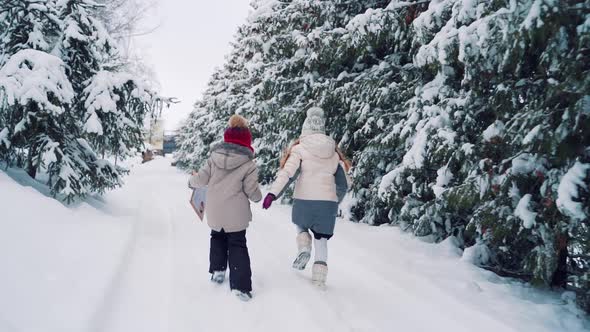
{"points": [[138, 296], [99, 319]]}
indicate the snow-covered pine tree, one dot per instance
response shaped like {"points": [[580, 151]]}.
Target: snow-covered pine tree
{"points": [[84, 45], [71, 164], [35, 89], [539, 104], [375, 90], [193, 146], [110, 127], [67, 119], [228, 92], [488, 145], [117, 105]]}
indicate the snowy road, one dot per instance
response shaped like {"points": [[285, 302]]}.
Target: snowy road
{"points": [[380, 278]]}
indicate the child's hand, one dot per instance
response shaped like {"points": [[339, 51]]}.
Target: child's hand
{"points": [[190, 181], [268, 201]]}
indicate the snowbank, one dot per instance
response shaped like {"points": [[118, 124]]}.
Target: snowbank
{"points": [[57, 262]]}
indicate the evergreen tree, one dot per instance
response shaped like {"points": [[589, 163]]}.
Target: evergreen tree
{"points": [[85, 46], [29, 119], [117, 105], [110, 106], [73, 167], [65, 101]]}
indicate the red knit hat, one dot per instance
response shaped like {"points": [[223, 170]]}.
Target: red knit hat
{"points": [[238, 132]]}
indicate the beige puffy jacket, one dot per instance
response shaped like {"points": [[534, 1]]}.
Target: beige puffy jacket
{"points": [[317, 157], [231, 177]]}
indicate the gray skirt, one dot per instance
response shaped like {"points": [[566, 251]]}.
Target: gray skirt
{"points": [[319, 216]]}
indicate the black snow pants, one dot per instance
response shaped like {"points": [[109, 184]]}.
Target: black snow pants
{"points": [[231, 247]]}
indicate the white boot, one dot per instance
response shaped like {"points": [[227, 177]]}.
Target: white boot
{"points": [[319, 274], [303, 250]]}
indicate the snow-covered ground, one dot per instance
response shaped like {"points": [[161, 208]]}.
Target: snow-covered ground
{"points": [[137, 261]]}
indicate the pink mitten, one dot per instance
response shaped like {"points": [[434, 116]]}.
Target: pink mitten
{"points": [[268, 201]]}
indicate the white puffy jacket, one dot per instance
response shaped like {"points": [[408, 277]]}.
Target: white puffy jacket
{"points": [[317, 157]]}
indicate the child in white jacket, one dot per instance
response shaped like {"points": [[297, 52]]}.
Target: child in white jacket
{"points": [[319, 169]]}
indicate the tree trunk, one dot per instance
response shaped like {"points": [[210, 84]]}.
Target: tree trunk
{"points": [[31, 168], [559, 278]]}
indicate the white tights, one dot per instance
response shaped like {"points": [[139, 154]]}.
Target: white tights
{"points": [[321, 247], [321, 250]]}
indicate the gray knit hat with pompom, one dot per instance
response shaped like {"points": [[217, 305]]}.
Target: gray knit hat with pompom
{"points": [[315, 123]]}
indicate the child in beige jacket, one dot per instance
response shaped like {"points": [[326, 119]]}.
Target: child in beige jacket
{"points": [[231, 178]]}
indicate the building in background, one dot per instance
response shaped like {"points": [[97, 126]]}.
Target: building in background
{"points": [[169, 141], [156, 135]]}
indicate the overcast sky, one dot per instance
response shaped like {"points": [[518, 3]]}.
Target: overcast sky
{"points": [[192, 39]]}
